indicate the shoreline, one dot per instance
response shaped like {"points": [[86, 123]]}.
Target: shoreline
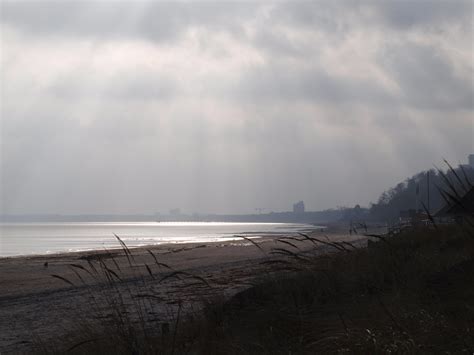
{"points": [[111, 250], [136, 239], [37, 301], [224, 240]]}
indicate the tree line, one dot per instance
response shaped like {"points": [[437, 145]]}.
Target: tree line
{"points": [[424, 191]]}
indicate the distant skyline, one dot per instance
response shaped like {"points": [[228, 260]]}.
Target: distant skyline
{"points": [[116, 107]]}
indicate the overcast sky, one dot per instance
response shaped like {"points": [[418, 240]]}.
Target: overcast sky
{"points": [[139, 107]]}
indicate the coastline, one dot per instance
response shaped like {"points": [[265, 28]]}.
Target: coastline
{"points": [[45, 238], [32, 301]]}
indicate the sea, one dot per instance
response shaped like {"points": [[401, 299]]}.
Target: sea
{"points": [[46, 238]]}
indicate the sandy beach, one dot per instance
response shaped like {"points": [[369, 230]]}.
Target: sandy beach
{"points": [[37, 307]]}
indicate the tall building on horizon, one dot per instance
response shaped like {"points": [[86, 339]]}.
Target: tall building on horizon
{"points": [[298, 207], [471, 160]]}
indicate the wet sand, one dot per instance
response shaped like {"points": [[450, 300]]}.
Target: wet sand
{"points": [[35, 306]]}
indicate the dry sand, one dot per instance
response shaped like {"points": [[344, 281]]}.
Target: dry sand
{"points": [[34, 306]]}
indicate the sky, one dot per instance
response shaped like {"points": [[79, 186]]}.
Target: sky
{"points": [[225, 107]]}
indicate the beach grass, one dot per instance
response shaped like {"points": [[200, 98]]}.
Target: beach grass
{"points": [[408, 293]]}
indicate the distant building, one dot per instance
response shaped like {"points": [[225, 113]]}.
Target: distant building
{"points": [[470, 163], [298, 207]]}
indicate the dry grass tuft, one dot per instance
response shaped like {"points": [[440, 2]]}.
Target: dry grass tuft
{"points": [[406, 293]]}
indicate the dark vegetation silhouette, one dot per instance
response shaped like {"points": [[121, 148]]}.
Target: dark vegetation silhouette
{"points": [[413, 192], [407, 292]]}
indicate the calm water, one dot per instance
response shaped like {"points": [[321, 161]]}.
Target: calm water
{"points": [[45, 238]]}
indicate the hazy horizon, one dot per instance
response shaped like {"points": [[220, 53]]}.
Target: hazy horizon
{"points": [[140, 107]]}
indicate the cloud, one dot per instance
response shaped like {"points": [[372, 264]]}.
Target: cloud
{"points": [[140, 107], [406, 14], [123, 86], [105, 20], [426, 78], [315, 85]]}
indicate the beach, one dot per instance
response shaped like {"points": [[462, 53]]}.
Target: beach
{"points": [[43, 297]]}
